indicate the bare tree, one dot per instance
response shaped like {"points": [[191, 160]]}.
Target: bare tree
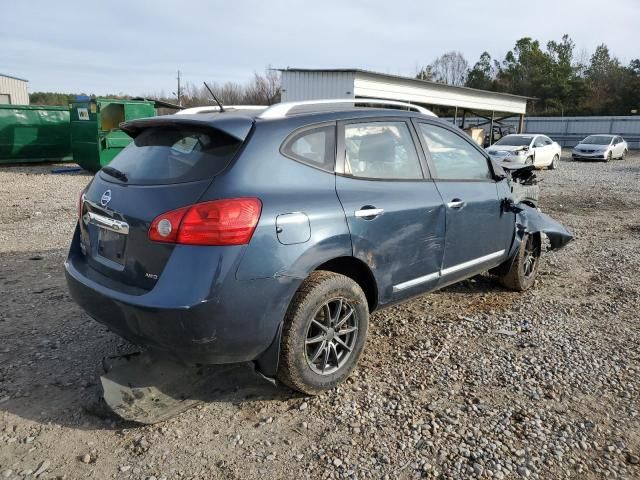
{"points": [[264, 89], [425, 73], [450, 68]]}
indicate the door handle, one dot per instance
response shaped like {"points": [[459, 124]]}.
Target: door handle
{"points": [[368, 213], [456, 203]]}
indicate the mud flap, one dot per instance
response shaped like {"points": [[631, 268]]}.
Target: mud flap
{"points": [[147, 388]]}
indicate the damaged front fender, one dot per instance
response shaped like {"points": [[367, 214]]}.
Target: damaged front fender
{"points": [[530, 220]]}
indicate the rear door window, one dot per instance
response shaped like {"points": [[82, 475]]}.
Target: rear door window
{"points": [[381, 150], [164, 155]]}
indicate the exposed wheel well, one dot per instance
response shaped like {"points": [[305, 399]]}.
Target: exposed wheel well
{"points": [[359, 272]]}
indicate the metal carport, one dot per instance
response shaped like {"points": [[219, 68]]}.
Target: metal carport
{"points": [[312, 84]]}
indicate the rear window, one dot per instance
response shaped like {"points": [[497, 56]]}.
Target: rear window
{"points": [[163, 155]]}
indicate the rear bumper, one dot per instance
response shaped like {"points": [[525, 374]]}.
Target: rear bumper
{"points": [[197, 312]]}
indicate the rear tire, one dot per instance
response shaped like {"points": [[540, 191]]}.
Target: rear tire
{"points": [[624, 154], [529, 161], [521, 274], [554, 162], [315, 356], [609, 157]]}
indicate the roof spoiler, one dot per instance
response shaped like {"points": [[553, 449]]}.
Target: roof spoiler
{"points": [[237, 127]]}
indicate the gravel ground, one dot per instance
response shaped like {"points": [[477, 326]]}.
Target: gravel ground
{"points": [[470, 382]]}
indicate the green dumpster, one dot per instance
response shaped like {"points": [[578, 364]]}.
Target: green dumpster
{"points": [[34, 133], [95, 135]]}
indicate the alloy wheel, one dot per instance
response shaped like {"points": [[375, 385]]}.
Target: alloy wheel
{"points": [[531, 255], [331, 336]]}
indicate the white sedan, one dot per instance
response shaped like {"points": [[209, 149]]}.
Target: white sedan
{"points": [[601, 147], [526, 149]]}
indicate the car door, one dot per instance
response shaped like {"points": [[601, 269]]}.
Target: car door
{"points": [[478, 230], [540, 152], [617, 147], [395, 213], [550, 150]]}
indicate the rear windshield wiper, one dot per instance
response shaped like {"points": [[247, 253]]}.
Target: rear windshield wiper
{"points": [[115, 173]]}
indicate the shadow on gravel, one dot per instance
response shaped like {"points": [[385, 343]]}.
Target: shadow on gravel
{"points": [[483, 283], [51, 353]]}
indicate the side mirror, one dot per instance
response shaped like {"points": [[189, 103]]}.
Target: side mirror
{"points": [[526, 147]]}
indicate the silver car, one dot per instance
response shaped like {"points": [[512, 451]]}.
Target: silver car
{"points": [[600, 147], [527, 149]]}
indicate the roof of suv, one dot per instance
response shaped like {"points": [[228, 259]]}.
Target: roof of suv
{"points": [[238, 123]]}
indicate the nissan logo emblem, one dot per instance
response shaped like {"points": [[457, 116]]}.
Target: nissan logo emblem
{"points": [[106, 198]]}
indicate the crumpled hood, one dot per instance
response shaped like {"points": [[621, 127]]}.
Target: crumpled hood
{"points": [[506, 148]]}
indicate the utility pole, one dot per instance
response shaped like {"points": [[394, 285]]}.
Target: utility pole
{"points": [[179, 90]]}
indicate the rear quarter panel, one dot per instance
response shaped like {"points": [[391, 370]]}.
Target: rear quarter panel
{"points": [[284, 186]]}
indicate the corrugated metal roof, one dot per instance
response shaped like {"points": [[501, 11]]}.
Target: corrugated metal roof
{"points": [[399, 77], [15, 78]]}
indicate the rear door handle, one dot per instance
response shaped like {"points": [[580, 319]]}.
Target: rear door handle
{"points": [[369, 213], [456, 203]]}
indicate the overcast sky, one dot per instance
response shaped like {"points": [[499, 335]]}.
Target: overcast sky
{"points": [[136, 47]]}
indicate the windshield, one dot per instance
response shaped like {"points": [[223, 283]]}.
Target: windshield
{"points": [[514, 141], [597, 140], [163, 155]]}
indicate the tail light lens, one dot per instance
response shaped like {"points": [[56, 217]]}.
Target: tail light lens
{"points": [[219, 222]]}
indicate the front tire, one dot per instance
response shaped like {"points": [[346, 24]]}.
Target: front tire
{"points": [[324, 333], [554, 162], [609, 157], [523, 270], [624, 154]]}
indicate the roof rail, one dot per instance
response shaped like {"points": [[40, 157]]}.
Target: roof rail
{"points": [[215, 108], [280, 110]]}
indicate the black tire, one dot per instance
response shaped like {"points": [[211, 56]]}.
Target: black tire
{"points": [[624, 154], [609, 157], [520, 274], [306, 319], [554, 162], [529, 161]]}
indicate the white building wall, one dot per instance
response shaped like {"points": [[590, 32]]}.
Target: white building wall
{"points": [[16, 89], [299, 86]]}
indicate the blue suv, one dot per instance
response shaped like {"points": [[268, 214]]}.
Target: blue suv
{"points": [[270, 235]]}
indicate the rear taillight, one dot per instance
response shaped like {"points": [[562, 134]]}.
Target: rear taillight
{"points": [[219, 222]]}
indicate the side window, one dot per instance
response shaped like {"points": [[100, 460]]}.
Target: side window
{"points": [[538, 142], [547, 140], [315, 147], [453, 157], [382, 150]]}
